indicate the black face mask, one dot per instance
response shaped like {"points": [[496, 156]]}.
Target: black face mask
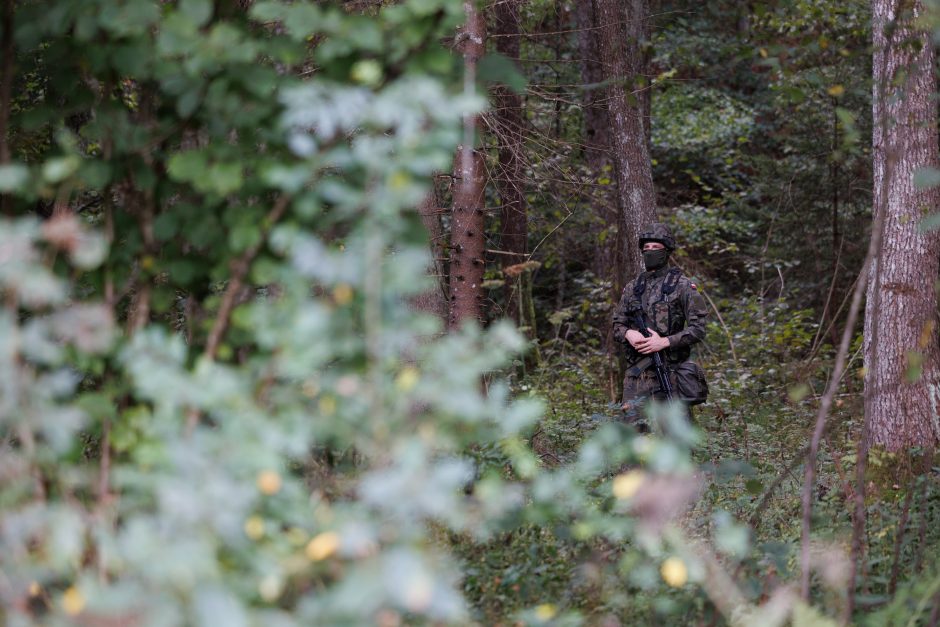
{"points": [[655, 259]]}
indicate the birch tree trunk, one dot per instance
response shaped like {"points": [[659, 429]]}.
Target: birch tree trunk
{"points": [[901, 353], [510, 180], [467, 241], [636, 198]]}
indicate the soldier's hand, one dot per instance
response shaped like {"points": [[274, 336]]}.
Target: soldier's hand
{"points": [[652, 344], [633, 337]]}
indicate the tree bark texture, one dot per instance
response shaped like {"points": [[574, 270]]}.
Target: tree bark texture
{"points": [[434, 300], [901, 352], [467, 223], [510, 180], [636, 198]]}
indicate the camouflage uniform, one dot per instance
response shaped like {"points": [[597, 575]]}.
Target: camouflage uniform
{"points": [[674, 309]]}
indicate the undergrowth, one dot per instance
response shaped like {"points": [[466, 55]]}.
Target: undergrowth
{"points": [[755, 428]]}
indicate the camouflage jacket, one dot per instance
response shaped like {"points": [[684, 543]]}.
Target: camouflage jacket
{"points": [[679, 315]]}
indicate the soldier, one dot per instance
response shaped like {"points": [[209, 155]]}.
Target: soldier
{"points": [[676, 314]]}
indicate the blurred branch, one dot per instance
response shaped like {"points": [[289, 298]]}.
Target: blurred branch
{"points": [[825, 405], [240, 267]]}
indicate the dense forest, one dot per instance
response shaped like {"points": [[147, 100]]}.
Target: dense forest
{"points": [[308, 311]]}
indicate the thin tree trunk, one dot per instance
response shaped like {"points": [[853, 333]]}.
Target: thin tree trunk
{"points": [[434, 300], [901, 385], [467, 241], [595, 116], [510, 181], [638, 31], [636, 198], [6, 89]]}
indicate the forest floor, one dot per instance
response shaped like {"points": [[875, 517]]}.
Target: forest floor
{"points": [[755, 427]]}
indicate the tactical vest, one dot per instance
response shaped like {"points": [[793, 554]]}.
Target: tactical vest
{"points": [[674, 323]]}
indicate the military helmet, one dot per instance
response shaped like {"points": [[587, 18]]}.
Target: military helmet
{"points": [[657, 232]]}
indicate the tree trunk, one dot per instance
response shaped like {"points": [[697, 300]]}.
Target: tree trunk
{"points": [[636, 198], [595, 116], [636, 49], [510, 180], [901, 354], [433, 301], [467, 241]]}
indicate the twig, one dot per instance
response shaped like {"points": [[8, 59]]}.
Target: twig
{"points": [[765, 499], [825, 404], [832, 288], [550, 233], [240, 267]]}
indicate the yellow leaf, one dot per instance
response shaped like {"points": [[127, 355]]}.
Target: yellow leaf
{"points": [[323, 546], [342, 294], [545, 612], [254, 527], [327, 405], [627, 484], [270, 588], [674, 572], [836, 91], [407, 379], [269, 482], [73, 602]]}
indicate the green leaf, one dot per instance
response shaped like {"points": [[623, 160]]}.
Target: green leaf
{"points": [[303, 20], [497, 68], [244, 235], [926, 177], [807, 616], [225, 178], [12, 177], [198, 11], [165, 226], [182, 271], [930, 223], [187, 166], [58, 169]]}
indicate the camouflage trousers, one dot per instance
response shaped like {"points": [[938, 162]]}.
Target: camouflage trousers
{"points": [[637, 392]]}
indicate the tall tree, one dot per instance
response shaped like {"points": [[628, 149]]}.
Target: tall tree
{"points": [[636, 197], [433, 301], [467, 237], [595, 116], [510, 181], [636, 21], [901, 354]]}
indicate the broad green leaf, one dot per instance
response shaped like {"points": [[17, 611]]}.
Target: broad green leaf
{"points": [[926, 177], [12, 177], [497, 68], [198, 11]]}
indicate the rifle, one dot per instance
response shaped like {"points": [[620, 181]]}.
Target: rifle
{"points": [[662, 375]]}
